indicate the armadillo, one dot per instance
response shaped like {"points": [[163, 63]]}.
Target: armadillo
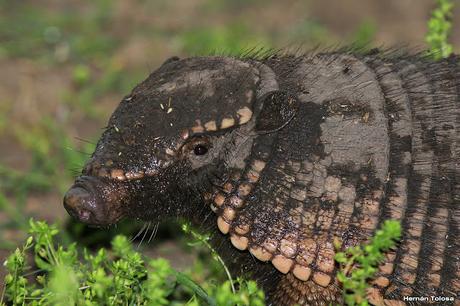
{"points": [[280, 155]]}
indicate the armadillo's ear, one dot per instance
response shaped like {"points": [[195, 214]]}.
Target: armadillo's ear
{"points": [[278, 108]]}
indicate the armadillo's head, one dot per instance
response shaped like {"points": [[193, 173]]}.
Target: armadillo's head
{"points": [[174, 141]]}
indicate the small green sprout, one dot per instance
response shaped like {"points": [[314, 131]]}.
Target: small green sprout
{"points": [[439, 29], [204, 240], [81, 74]]}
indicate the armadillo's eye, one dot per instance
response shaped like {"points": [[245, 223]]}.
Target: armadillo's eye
{"points": [[200, 149], [197, 146]]}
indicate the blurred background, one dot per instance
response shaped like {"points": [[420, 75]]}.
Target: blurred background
{"points": [[65, 65]]}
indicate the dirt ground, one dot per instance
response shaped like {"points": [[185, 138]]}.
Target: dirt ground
{"points": [[32, 89]]}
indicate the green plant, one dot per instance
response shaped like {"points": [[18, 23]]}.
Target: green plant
{"points": [[230, 39], [204, 240], [364, 35], [439, 29], [359, 264], [119, 276]]}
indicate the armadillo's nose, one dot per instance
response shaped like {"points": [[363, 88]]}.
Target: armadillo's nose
{"points": [[81, 204], [96, 201]]}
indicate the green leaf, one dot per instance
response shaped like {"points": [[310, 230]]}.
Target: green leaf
{"points": [[184, 280]]}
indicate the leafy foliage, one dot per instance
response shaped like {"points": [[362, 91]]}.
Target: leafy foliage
{"points": [[359, 264], [119, 276], [439, 29]]}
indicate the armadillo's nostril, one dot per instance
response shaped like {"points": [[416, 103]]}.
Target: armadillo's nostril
{"points": [[80, 204], [84, 214]]}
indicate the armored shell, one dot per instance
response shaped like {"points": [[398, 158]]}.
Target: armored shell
{"points": [[281, 155]]}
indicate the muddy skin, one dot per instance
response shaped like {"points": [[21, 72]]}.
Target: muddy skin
{"points": [[277, 157]]}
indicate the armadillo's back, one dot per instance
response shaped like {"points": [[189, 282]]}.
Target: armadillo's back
{"points": [[387, 147], [423, 189]]}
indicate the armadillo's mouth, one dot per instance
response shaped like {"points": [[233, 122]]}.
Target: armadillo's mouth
{"points": [[107, 170], [117, 173], [96, 201]]}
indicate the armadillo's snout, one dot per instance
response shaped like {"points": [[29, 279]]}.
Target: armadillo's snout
{"points": [[81, 205], [90, 205]]}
